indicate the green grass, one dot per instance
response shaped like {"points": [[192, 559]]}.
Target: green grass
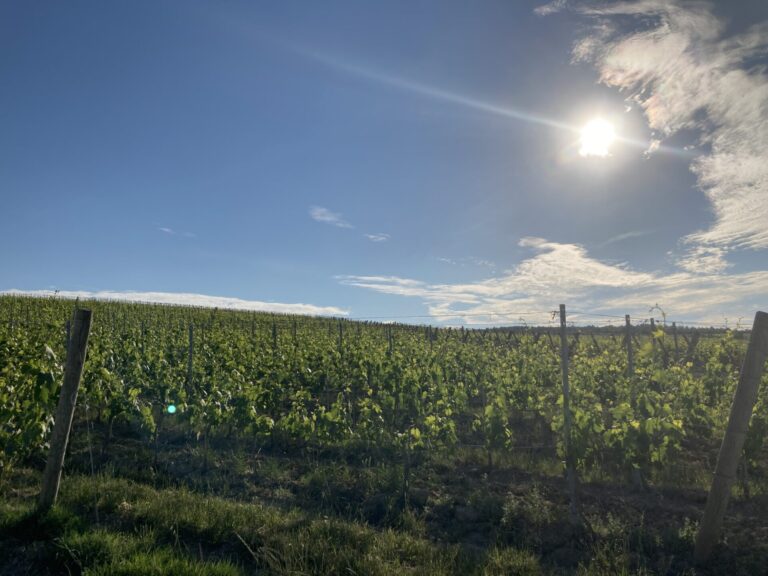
{"points": [[143, 530], [339, 518]]}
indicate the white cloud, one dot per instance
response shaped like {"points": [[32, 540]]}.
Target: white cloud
{"points": [[166, 230], [325, 216], [185, 299], [379, 237], [550, 7], [565, 273], [704, 260], [685, 74]]}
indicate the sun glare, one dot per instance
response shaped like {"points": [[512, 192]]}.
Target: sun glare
{"points": [[596, 138]]}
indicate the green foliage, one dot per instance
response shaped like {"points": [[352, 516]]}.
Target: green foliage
{"points": [[303, 383]]}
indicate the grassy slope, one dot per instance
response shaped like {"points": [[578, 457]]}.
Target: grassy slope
{"points": [[142, 530], [251, 513]]}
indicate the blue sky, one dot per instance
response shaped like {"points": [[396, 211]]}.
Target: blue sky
{"points": [[393, 159]]}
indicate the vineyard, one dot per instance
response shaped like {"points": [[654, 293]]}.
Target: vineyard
{"points": [[455, 435]]}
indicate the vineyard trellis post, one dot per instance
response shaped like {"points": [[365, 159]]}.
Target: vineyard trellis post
{"points": [[692, 343], [65, 410], [570, 467], [190, 356], [636, 476], [733, 441], [630, 356], [674, 337]]}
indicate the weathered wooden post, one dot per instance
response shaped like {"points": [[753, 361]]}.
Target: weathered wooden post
{"points": [[595, 343], [733, 441], [637, 478], [190, 356], [689, 353], [65, 411], [630, 356], [677, 347], [570, 465]]}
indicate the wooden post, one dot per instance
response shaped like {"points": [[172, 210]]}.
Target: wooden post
{"points": [[594, 341], [674, 337], [630, 356], [570, 467], [692, 347], [190, 355], [78, 346], [733, 442]]}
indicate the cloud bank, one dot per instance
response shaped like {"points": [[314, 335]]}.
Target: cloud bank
{"points": [[566, 273], [184, 299]]}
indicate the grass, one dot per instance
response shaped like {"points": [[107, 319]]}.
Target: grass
{"points": [[174, 531], [281, 514]]}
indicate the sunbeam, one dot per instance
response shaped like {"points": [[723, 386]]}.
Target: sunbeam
{"points": [[437, 93]]}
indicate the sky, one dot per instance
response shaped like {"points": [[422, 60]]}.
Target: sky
{"points": [[416, 161]]}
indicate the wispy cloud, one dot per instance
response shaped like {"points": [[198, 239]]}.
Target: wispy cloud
{"points": [[172, 232], [704, 260], [550, 7], [684, 73], [379, 237], [567, 273], [627, 236], [468, 260], [186, 299], [325, 216]]}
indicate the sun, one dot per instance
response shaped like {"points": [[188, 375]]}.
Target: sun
{"points": [[596, 138]]}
